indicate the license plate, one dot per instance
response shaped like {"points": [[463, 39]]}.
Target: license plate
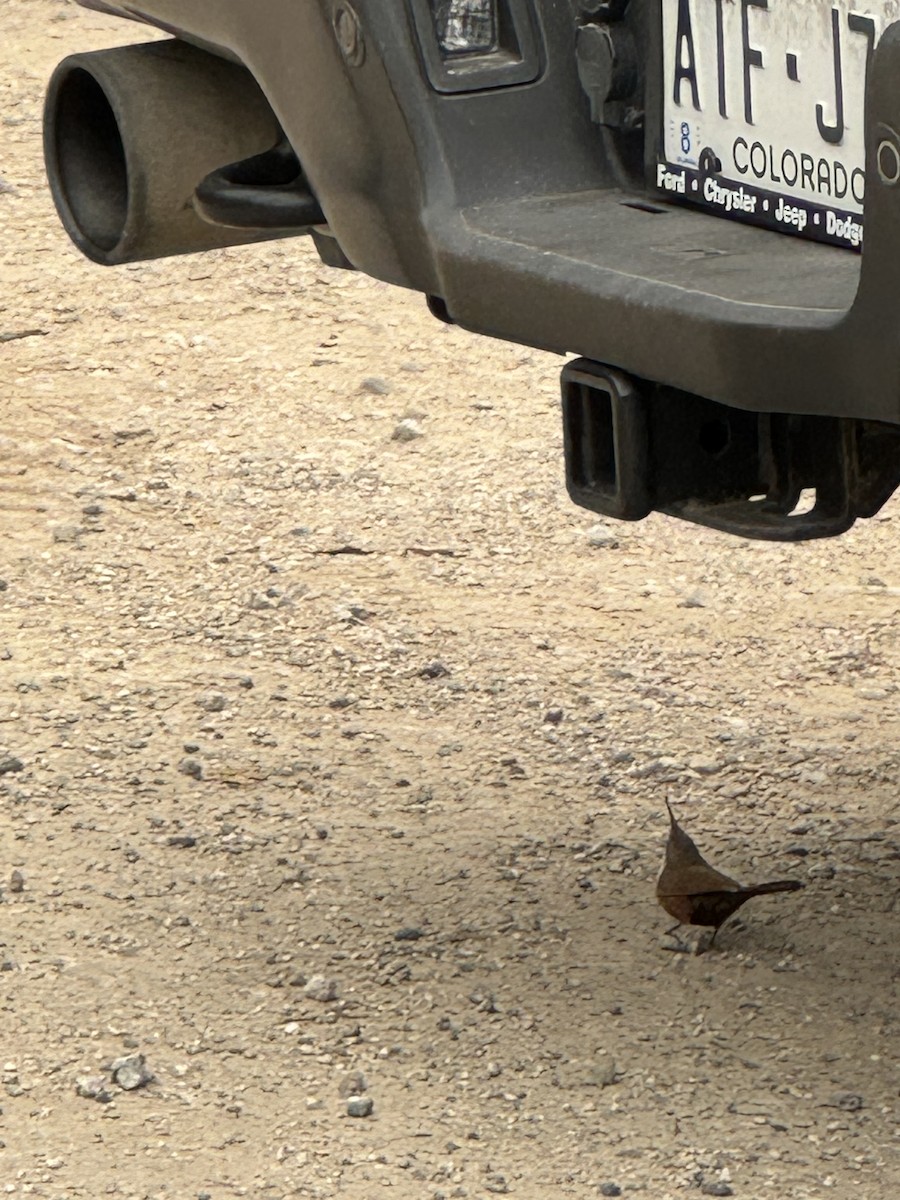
{"points": [[763, 110]]}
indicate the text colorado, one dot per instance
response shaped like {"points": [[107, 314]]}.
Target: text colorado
{"points": [[820, 176]]}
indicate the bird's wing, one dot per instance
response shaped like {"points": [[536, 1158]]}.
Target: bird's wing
{"points": [[695, 880]]}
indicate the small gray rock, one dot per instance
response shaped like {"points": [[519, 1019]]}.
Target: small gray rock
{"points": [[93, 1087], [406, 430], [610, 1189], [360, 1106], [696, 599], [496, 1183], [191, 767], [16, 882], [601, 537], [67, 533], [716, 1187], [821, 871], [181, 841], [603, 1071], [130, 1072], [212, 701], [409, 933], [9, 764], [375, 386], [704, 766], [321, 988], [847, 1101], [433, 670], [352, 1084]]}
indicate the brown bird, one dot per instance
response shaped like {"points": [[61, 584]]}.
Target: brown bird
{"points": [[695, 893]]}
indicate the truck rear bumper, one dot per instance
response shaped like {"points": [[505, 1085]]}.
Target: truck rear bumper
{"points": [[506, 206]]}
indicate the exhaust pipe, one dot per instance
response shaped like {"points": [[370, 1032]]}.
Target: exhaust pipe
{"points": [[130, 133]]}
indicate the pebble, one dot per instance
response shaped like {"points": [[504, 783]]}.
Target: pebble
{"points": [[601, 537], [409, 933], [16, 882], [610, 1189], [354, 1083], [319, 987], [191, 767], [406, 430], [67, 533], [433, 670], [704, 766], [93, 1087], [183, 841], [130, 1072], [360, 1106], [375, 386], [553, 716], [821, 871], [263, 601], [816, 778], [716, 1187], [604, 1071], [847, 1101], [9, 764], [695, 599], [212, 702]]}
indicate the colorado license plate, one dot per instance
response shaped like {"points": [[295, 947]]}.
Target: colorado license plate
{"points": [[763, 110]]}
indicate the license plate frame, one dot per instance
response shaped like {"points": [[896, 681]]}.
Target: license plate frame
{"points": [[763, 111]]}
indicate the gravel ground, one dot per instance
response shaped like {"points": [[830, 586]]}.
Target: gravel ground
{"points": [[334, 745]]}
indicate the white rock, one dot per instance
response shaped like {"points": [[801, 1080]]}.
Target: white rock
{"points": [[321, 988]]}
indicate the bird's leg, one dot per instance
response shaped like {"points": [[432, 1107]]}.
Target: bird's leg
{"points": [[715, 931], [680, 945]]}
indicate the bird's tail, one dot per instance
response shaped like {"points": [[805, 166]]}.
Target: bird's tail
{"points": [[779, 885]]}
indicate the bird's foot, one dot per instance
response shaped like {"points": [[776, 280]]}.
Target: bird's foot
{"points": [[673, 943], [705, 941], [696, 946]]}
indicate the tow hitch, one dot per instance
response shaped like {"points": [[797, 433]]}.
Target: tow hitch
{"points": [[633, 447]]}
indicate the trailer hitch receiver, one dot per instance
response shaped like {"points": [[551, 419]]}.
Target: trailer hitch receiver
{"points": [[633, 447]]}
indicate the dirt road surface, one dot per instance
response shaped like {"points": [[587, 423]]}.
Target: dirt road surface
{"points": [[334, 765]]}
